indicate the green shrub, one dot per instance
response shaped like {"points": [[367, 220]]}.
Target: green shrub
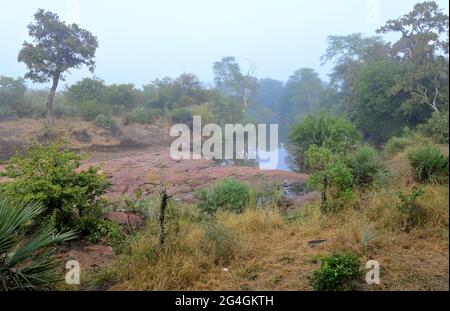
{"points": [[409, 210], [49, 174], [436, 127], [144, 115], [204, 112], [365, 165], [339, 193], [27, 256], [97, 229], [339, 175], [337, 272], [90, 109], [181, 115], [228, 194], [318, 157], [106, 122], [429, 163], [12, 97]]}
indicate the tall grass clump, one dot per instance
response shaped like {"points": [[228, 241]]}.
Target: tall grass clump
{"points": [[429, 163], [228, 194], [365, 165]]}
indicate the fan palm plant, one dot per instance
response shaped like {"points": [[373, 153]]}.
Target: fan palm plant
{"points": [[26, 258]]}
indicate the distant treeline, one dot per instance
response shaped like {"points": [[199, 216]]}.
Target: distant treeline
{"points": [[380, 86]]}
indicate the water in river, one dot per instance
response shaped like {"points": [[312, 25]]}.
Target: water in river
{"points": [[285, 161]]}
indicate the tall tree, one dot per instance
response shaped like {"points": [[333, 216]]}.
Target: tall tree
{"points": [[230, 81], [423, 47], [56, 48], [349, 54]]}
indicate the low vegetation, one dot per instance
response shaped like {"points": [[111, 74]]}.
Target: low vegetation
{"points": [[28, 263], [337, 272], [429, 163]]}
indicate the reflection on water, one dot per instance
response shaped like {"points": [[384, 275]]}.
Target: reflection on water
{"points": [[285, 161]]}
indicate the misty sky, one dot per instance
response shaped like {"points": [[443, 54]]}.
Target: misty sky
{"points": [[143, 40]]}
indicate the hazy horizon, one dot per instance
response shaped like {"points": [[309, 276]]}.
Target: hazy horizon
{"points": [[145, 40]]}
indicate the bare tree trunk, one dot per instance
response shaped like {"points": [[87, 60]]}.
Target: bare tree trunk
{"points": [[51, 96], [162, 208], [433, 104]]}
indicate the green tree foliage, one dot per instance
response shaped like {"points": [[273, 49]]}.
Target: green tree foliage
{"points": [[12, 97], [424, 36], [85, 90], [183, 91], [56, 48], [303, 90], [265, 102], [436, 127], [231, 81], [269, 93], [349, 54], [27, 260], [303, 93], [121, 97], [374, 110], [227, 109], [50, 175]]}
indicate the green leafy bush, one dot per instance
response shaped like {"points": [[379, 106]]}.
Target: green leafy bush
{"points": [[429, 163], [12, 97], [228, 194], [26, 256], [49, 174], [339, 193], [318, 157], [106, 122], [144, 115], [181, 115], [90, 109], [365, 165], [436, 127], [337, 272], [409, 210], [204, 112]]}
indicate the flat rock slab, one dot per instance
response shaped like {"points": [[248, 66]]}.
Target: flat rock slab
{"points": [[145, 171], [89, 255]]}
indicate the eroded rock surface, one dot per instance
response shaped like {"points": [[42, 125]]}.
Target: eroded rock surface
{"points": [[182, 177]]}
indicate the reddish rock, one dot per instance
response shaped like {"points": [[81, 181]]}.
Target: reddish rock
{"points": [[143, 171], [90, 256]]}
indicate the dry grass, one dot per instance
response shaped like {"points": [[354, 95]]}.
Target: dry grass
{"points": [[265, 249]]}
